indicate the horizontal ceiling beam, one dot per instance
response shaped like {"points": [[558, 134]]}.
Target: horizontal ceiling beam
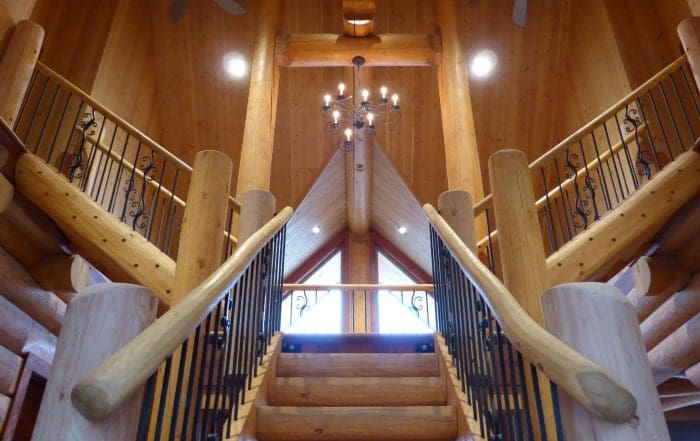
{"points": [[331, 50]]}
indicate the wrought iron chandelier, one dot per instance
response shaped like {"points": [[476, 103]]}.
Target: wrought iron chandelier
{"points": [[350, 120]]}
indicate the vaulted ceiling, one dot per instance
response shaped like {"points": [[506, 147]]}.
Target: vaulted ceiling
{"points": [[570, 62]]}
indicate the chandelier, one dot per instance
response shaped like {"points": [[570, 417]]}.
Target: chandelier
{"points": [[350, 120]]}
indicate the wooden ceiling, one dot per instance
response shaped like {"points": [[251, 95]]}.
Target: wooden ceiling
{"points": [[570, 62]]}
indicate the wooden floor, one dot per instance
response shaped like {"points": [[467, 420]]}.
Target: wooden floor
{"points": [[357, 387]]}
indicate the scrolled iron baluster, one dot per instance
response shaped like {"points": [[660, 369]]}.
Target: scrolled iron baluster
{"points": [[581, 212], [139, 212], [631, 122], [302, 303], [416, 306], [76, 161]]}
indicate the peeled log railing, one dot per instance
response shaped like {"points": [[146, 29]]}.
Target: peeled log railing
{"points": [[496, 346], [115, 164], [198, 360], [594, 170]]}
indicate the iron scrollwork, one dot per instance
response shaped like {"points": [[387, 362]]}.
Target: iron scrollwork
{"points": [[581, 211], [76, 163], [632, 122]]}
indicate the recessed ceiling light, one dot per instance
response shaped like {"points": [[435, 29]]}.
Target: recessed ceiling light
{"points": [[402, 230], [316, 229], [235, 65], [358, 22], [483, 64]]}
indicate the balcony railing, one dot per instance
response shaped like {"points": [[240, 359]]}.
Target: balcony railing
{"points": [[120, 168], [595, 169]]}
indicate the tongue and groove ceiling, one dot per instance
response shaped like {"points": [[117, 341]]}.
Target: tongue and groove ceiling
{"points": [[570, 62]]}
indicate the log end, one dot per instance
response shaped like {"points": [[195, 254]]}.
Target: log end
{"points": [[91, 398], [606, 397]]}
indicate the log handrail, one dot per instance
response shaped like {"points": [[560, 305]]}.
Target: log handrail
{"points": [[585, 130], [123, 124], [106, 388], [356, 286], [582, 379]]}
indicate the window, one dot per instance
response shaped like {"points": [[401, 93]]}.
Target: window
{"points": [[402, 312], [315, 312]]}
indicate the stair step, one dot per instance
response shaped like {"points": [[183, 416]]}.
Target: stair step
{"points": [[357, 391], [357, 365], [357, 423], [363, 343]]}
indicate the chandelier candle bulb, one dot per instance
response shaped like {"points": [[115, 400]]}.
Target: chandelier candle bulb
{"points": [[365, 95], [336, 115], [383, 91], [327, 101], [370, 118], [348, 135], [395, 99], [341, 91]]}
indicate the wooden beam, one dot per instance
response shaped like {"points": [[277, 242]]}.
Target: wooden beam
{"points": [[5, 403], [677, 351], [613, 239], [117, 251], [258, 134], [672, 313], [124, 311], [18, 286], [462, 157], [457, 208], [669, 404], [6, 192], [17, 66], [679, 231], [20, 334], [357, 304], [689, 33], [655, 276], [358, 175], [63, 274], [331, 50], [596, 320], [10, 369], [4, 155], [522, 255], [676, 387], [257, 208]]}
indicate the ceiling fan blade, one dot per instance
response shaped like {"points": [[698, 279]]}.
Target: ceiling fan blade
{"points": [[177, 8], [520, 12], [231, 6]]}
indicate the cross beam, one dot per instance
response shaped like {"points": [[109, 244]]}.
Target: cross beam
{"points": [[331, 50]]}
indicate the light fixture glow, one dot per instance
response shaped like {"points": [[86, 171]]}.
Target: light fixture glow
{"points": [[327, 99], [336, 115], [365, 95], [370, 118], [358, 22], [316, 229], [383, 91], [395, 99], [235, 65], [348, 134], [341, 89], [402, 230], [483, 63]]}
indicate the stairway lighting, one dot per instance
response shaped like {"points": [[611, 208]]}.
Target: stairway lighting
{"points": [[361, 118]]}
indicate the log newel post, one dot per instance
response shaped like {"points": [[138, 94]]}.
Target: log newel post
{"points": [[598, 321], [99, 321], [689, 33], [17, 66], [522, 255], [201, 246]]}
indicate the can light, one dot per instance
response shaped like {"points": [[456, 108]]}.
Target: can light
{"points": [[235, 65], [483, 64], [402, 230], [316, 229]]}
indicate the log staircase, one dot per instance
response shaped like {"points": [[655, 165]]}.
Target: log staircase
{"points": [[358, 387]]}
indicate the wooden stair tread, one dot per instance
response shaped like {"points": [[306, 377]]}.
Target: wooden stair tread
{"points": [[362, 343], [357, 391], [357, 365], [357, 423]]}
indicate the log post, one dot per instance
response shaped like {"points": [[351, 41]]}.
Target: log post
{"points": [[199, 253], [457, 208], [676, 352], [522, 253], [65, 275], [675, 311], [257, 208], [653, 276], [120, 313], [596, 320], [258, 135], [18, 286], [689, 33], [463, 170], [17, 66]]}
